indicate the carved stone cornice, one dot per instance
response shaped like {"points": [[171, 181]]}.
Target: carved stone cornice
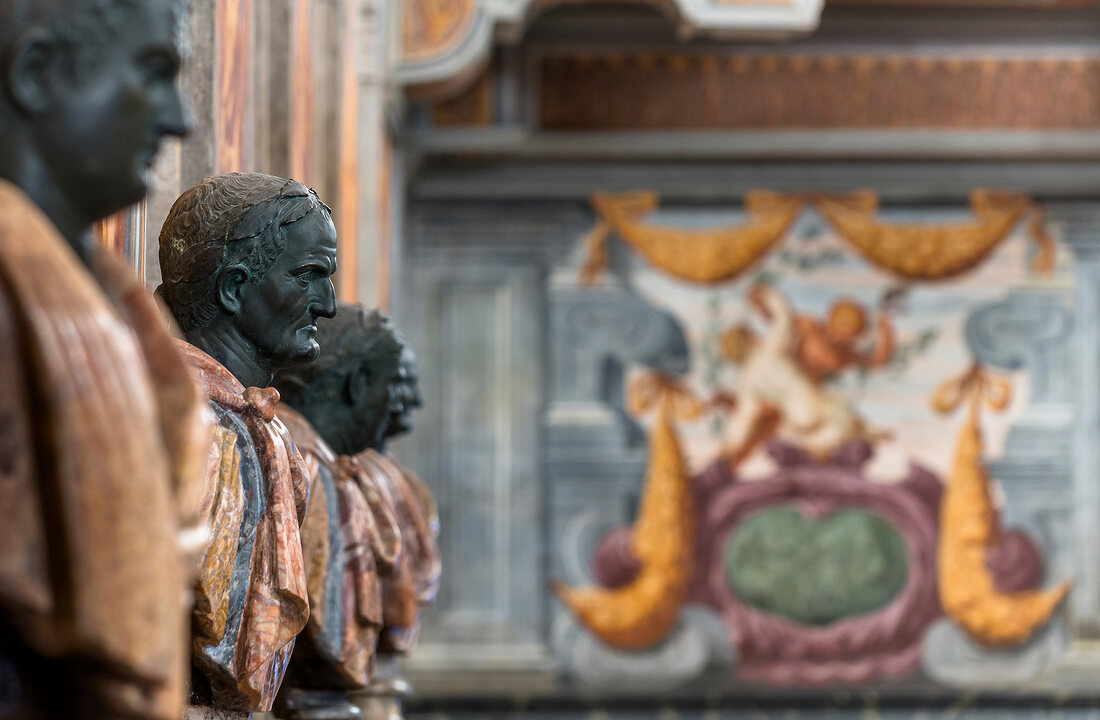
{"points": [[1080, 225]]}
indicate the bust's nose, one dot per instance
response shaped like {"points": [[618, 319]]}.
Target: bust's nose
{"points": [[176, 117], [325, 305]]}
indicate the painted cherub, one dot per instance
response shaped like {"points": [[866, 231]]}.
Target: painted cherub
{"points": [[826, 347], [776, 394]]}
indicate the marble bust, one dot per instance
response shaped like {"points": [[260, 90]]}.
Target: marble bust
{"points": [[360, 391], [247, 261], [104, 428]]}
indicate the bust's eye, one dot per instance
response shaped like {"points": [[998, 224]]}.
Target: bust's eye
{"points": [[305, 277], [160, 67]]}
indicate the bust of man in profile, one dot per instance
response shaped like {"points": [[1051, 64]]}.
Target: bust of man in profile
{"points": [[247, 261], [363, 381], [103, 430], [353, 390]]}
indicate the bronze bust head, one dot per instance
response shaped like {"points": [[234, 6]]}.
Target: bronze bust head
{"points": [[247, 261], [354, 390], [88, 92]]}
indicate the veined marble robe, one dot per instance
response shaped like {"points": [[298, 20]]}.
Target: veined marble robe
{"points": [[103, 432], [251, 597], [351, 541], [416, 579]]}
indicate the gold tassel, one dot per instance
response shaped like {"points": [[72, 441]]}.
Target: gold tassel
{"points": [[968, 529]]}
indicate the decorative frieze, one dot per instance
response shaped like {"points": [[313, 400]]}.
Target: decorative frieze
{"points": [[661, 91]]}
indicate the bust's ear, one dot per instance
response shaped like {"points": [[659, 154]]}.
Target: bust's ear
{"points": [[358, 386], [229, 287], [28, 71]]}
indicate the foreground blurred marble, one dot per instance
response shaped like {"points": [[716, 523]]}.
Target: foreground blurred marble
{"points": [[103, 427], [247, 261], [360, 391]]}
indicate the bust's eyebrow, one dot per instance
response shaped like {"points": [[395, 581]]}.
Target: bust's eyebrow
{"points": [[324, 263]]}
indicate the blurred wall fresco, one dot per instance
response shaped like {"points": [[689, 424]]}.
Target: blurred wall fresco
{"points": [[763, 363]]}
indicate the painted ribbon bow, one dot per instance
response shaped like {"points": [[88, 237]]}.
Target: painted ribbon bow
{"points": [[653, 389], [976, 385]]}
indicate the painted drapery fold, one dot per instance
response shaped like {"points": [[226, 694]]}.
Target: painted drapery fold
{"points": [[912, 252]]}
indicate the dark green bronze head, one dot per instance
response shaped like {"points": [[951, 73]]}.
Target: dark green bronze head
{"points": [[247, 261], [88, 92], [358, 387]]}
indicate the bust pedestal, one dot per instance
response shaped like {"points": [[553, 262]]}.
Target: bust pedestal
{"points": [[197, 712], [384, 698], [318, 705]]}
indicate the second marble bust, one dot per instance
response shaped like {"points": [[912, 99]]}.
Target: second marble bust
{"points": [[247, 261], [359, 392]]}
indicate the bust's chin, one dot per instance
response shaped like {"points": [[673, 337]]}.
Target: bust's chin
{"points": [[400, 425], [305, 352], [116, 193]]}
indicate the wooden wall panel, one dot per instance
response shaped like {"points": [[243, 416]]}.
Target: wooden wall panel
{"points": [[349, 193], [385, 267], [233, 29]]}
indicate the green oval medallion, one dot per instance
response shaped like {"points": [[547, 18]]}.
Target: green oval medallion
{"points": [[816, 571]]}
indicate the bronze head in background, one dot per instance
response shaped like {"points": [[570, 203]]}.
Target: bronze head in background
{"points": [[359, 385], [89, 92]]}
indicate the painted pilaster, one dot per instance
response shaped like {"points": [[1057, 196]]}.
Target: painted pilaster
{"points": [[1080, 226]]}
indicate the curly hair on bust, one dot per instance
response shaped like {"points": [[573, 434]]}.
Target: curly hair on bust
{"points": [[226, 220], [355, 338]]}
